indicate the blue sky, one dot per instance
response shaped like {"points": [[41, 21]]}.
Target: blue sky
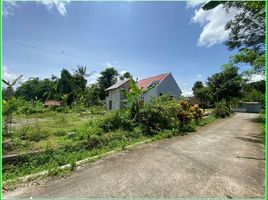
{"points": [[144, 38]]}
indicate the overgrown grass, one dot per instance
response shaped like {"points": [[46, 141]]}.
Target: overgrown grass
{"points": [[89, 140], [36, 131]]}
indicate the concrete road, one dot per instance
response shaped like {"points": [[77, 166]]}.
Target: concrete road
{"points": [[223, 159]]}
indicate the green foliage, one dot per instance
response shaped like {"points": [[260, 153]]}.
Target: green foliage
{"points": [[36, 89], [108, 78], [202, 92], [159, 114], [197, 113], [226, 84], [221, 110], [247, 32], [32, 132], [92, 95], [116, 120], [97, 110], [184, 114], [255, 96], [27, 107], [9, 106], [126, 75], [73, 164], [134, 99]]}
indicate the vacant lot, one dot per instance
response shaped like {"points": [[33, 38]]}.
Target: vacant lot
{"points": [[224, 159]]}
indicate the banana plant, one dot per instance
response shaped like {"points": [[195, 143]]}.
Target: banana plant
{"points": [[10, 86], [133, 96]]}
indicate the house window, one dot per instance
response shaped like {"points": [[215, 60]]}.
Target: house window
{"points": [[160, 94], [110, 105]]}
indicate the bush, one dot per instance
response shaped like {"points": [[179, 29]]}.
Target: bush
{"points": [[85, 131], [96, 110], [28, 107], [184, 114], [159, 114], [197, 113], [116, 120], [94, 141], [63, 109], [221, 110]]}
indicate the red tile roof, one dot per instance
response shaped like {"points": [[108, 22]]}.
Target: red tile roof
{"points": [[145, 83]]}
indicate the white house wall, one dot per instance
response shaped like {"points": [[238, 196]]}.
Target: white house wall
{"points": [[169, 86], [148, 95]]}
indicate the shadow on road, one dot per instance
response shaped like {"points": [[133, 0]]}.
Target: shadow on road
{"points": [[249, 139], [251, 158]]}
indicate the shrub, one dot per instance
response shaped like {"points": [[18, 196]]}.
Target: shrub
{"points": [[197, 113], [184, 114], [85, 131], [28, 107], [221, 110], [63, 109], [116, 120], [94, 141], [96, 110], [159, 114]]}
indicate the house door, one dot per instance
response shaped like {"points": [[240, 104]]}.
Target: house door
{"points": [[110, 105]]}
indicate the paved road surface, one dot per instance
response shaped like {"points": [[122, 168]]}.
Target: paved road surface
{"points": [[223, 159]]}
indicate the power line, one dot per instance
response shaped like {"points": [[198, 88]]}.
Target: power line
{"points": [[57, 52]]}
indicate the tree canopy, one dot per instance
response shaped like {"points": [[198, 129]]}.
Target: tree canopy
{"points": [[247, 32]]}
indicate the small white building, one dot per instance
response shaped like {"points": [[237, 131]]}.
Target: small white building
{"points": [[165, 84]]}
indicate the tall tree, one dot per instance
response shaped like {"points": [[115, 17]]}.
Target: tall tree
{"points": [[66, 86], [247, 32], [124, 76], [80, 75], [202, 92], [108, 77], [226, 84]]}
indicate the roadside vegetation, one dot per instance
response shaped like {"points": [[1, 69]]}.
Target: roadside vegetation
{"points": [[64, 138], [76, 124]]}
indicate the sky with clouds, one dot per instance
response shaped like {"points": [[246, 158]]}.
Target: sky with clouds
{"points": [[144, 38]]}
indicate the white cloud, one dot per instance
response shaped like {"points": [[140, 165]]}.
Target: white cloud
{"points": [[93, 78], [194, 3], [108, 64], [187, 92], [59, 4], [256, 77], [122, 72], [213, 23], [10, 76], [8, 8]]}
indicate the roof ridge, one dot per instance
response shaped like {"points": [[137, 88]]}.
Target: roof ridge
{"points": [[155, 76]]}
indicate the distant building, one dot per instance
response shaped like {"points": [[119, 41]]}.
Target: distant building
{"points": [[52, 103], [194, 100], [164, 84]]}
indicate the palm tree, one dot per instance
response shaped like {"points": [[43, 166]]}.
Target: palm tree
{"points": [[10, 85]]}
